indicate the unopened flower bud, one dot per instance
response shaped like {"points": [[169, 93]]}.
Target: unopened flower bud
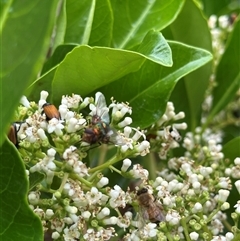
{"points": [[103, 213], [24, 101], [102, 182], [223, 195], [126, 164]]}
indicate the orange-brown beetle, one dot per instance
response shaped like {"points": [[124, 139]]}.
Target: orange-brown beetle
{"points": [[13, 132], [51, 111]]}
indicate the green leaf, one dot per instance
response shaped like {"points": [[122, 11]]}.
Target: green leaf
{"points": [[86, 69], [228, 74], [34, 179], [231, 149], [148, 89], [132, 19], [191, 28], [155, 48], [42, 83], [223, 7], [60, 27], [17, 219], [101, 34], [58, 55], [89, 22], [49, 69], [26, 28]]}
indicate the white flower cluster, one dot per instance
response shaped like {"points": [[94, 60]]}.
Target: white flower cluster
{"points": [[164, 135], [203, 146], [77, 200]]}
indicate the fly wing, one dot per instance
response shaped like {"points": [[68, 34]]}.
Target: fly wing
{"points": [[115, 137], [101, 108]]}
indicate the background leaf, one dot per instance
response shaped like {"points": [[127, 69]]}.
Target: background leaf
{"points": [[191, 28], [17, 219], [212, 7], [227, 74], [132, 19], [155, 47], [232, 149], [149, 89], [86, 24], [82, 70], [86, 69], [20, 62]]}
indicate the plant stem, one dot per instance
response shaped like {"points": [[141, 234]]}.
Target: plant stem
{"points": [[82, 180], [63, 182], [185, 229], [115, 169], [105, 165]]}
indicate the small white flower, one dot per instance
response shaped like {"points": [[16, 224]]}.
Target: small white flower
{"points": [[225, 206], [55, 235], [118, 197], [237, 161], [71, 101], [229, 236], [71, 125], [237, 206], [149, 230], [127, 121], [55, 125], [138, 134], [126, 164], [218, 238], [51, 152], [86, 215], [41, 134], [237, 185], [71, 209], [103, 213], [187, 168], [33, 198], [194, 236], [110, 221], [173, 217], [139, 172], [143, 148], [223, 195], [24, 101], [93, 196], [197, 207], [102, 182], [49, 213], [43, 95]]}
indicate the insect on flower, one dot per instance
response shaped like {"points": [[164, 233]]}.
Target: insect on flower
{"points": [[149, 208], [99, 130], [51, 111], [13, 132]]}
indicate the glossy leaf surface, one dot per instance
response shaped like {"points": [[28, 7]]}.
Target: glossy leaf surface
{"points": [[86, 68], [232, 149], [191, 28], [132, 19], [17, 219], [21, 62], [89, 22], [149, 89]]}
